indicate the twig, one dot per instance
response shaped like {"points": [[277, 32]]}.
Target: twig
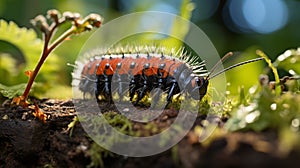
{"points": [[79, 25]]}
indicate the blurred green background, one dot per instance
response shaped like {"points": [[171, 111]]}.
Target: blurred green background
{"points": [[232, 25]]}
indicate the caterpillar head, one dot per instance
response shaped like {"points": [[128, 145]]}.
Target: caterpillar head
{"points": [[198, 87]]}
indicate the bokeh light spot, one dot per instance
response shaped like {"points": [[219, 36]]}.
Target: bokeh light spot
{"points": [[260, 16], [254, 12]]}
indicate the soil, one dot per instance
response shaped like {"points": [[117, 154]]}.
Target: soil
{"points": [[26, 141]]}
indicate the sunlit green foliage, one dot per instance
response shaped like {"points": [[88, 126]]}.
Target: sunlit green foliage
{"points": [[289, 61], [22, 53], [262, 109], [13, 37]]}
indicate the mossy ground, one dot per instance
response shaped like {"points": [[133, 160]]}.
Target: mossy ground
{"points": [[27, 142]]}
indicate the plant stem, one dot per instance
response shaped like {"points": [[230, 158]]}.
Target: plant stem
{"points": [[45, 54], [274, 70], [61, 38]]}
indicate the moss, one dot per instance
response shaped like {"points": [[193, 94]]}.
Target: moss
{"points": [[97, 155]]}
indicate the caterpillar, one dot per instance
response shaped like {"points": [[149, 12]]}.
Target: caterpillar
{"points": [[137, 74]]}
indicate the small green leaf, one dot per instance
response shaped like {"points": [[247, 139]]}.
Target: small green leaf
{"points": [[12, 91]]}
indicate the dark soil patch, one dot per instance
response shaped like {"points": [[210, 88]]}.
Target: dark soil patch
{"points": [[28, 142]]}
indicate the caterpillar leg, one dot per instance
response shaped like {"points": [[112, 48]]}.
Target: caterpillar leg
{"points": [[172, 90], [142, 93], [132, 90], [103, 88]]}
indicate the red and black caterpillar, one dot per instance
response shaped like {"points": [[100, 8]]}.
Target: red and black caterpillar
{"points": [[137, 74]]}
